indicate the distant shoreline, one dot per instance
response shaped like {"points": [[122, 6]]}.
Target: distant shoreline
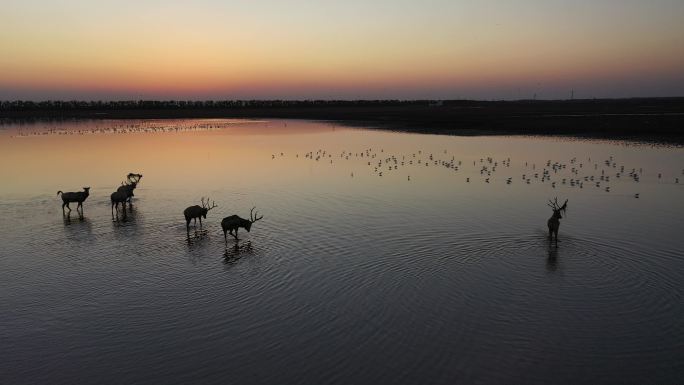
{"points": [[645, 119]]}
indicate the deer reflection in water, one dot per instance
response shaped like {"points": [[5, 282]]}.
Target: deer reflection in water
{"points": [[66, 217], [552, 259], [237, 251], [196, 236]]}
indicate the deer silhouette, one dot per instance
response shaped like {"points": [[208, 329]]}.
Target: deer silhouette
{"points": [[194, 212], [234, 222], [127, 189], [74, 197], [554, 221], [119, 197]]}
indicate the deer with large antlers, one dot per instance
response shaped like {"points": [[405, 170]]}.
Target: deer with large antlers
{"points": [[554, 221], [127, 190], [74, 197], [234, 222], [194, 212], [127, 187], [134, 177]]}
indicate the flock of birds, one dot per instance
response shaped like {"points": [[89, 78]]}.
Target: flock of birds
{"points": [[131, 128], [575, 173]]}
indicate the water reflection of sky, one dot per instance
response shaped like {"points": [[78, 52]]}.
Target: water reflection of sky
{"points": [[442, 272]]}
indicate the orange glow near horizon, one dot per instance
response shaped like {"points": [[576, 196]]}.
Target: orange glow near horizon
{"points": [[265, 50]]}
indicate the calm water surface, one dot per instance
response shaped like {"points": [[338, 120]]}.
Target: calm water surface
{"points": [[437, 271]]}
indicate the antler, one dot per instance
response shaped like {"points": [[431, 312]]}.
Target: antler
{"points": [[253, 217], [203, 205], [213, 204], [554, 205]]}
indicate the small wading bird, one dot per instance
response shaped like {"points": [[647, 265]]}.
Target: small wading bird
{"points": [[74, 197], [234, 222], [554, 221], [194, 212]]}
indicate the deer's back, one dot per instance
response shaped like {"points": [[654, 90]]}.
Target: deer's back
{"points": [[231, 221], [118, 196], [192, 211], [128, 189], [74, 196]]}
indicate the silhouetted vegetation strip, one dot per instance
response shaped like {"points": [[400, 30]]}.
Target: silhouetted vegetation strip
{"points": [[661, 119]]}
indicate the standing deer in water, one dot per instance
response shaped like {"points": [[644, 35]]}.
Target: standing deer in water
{"points": [[119, 197], [234, 222], [131, 183], [194, 212], [554, 221], [74, 197], [127, 190]]}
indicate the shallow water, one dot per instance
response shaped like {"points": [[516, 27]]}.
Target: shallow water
{"points": [[426, 274]]}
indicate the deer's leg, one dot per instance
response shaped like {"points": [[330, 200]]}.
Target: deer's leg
{"points": [[63, 204], [187, 224], [225, 236], [236, 236], [67, 205], [200, 218]]}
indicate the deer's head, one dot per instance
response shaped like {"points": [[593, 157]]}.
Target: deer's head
{"points": [[206, 207], [86, 189], [134, 177], [252, 218], [557, 210]]}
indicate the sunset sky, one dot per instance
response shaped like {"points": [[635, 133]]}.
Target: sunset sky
{"points": [[296, 49]]}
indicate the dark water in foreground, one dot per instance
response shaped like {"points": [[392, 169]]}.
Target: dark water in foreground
{"points": [[426, 274]]}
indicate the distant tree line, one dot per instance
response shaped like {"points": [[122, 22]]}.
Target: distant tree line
{"points": [[80, 105]]}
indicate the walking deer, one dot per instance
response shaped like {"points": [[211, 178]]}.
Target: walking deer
{"points": [[234, 222], [74, 197], [194, 212], [554, 221]]}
